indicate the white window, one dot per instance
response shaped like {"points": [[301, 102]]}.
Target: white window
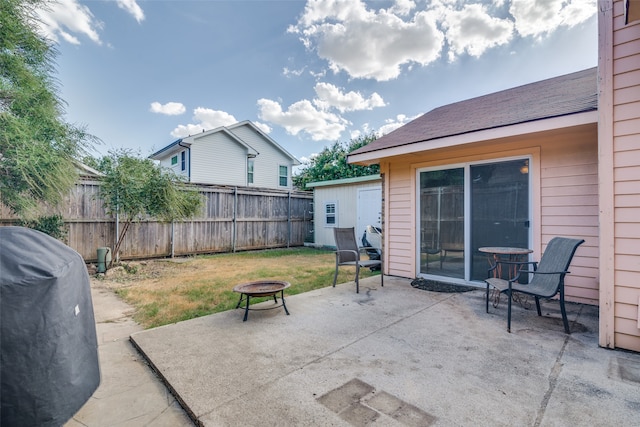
{"points": [[331, 214], [183, 161], [250, 171], [283, 176]]}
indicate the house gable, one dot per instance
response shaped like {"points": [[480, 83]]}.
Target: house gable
{"points": [[225, 155], [271, 156]]}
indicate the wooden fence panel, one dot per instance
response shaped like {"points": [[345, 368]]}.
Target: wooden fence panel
{"points": [[232, 218]]}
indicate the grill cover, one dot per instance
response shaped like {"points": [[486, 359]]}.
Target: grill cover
{"points": [[49, 363]]}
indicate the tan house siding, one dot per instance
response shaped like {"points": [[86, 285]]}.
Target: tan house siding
{"points": [[400, 214], [564, 198], [626, 178], [569, 206], [619, 148]]}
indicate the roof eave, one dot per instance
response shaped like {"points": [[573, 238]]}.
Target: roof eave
{"points": [[554, 123]]}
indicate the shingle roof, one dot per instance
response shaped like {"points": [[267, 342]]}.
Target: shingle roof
{"points": [[558, 96]]}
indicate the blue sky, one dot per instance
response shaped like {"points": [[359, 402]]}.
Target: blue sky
{"points": [[140, 74]]}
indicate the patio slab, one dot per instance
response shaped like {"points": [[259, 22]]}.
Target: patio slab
{"points": [[394, 356]]}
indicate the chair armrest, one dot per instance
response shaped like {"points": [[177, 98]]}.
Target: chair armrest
{"points": [[544, 272], [356, 253], [496, 263], [515, 279]]}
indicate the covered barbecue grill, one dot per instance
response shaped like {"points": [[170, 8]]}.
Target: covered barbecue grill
{"points": [[49, 364]]}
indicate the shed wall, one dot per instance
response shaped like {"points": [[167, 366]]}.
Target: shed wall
{"points": [[346, 196]]}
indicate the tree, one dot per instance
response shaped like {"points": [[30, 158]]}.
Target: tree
{"points": [[331, 163], [135, 188], [37, 147]]}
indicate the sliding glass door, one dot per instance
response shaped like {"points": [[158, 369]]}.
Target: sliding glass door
{"points": [[467, 207], [442, 222]]}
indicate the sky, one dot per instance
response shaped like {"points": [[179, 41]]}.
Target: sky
{"points": [[141, 74]]}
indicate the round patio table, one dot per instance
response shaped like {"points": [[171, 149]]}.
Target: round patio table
{"points": [[502, 253], [505, 253], [261, 288]]}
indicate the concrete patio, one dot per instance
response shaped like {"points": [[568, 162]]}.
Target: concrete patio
{"points": [[394, 356]]}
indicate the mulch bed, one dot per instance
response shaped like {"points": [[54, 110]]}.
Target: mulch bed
{"points": [[436, 286]]}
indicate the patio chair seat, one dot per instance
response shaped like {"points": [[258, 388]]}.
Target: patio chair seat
{"points": [[547, 277], [348, 254]]}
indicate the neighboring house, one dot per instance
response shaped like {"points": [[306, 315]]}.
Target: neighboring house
{"points": [[237, 155], [349, 202], [559, 157]]}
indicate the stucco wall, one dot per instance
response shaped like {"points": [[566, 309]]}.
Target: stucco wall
{"points": [[564, 198]]}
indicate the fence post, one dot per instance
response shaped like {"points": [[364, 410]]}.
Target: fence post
{"points": [[289, 220], [117, 255], [234, 220], [173, 236]]}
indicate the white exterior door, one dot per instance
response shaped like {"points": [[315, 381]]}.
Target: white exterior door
{"points": [[369, 210]]}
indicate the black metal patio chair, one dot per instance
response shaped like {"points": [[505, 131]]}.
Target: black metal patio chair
{"points": [[348, 253], [547, 277]]}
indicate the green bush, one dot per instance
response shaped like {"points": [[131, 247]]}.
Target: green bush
{"points": [[52, 225]]}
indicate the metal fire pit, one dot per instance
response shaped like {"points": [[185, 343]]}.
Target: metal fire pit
{"points": [[261, 288]]}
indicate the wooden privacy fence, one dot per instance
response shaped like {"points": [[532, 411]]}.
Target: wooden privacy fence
{"points": [[232, 219]]}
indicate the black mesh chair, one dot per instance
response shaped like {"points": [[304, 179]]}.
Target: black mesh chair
{"points": [[348, 253], [547, 277]]}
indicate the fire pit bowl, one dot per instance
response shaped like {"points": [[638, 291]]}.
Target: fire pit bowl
{"points": [[261, 288]]}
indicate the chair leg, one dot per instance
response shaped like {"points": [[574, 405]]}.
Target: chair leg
{"points": [[335, 275], [357, 276], [487, 299], [538, 306], [564, 314], [509, 311]]}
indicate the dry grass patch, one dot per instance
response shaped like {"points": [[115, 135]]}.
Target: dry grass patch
{"points": [[169, 291]]}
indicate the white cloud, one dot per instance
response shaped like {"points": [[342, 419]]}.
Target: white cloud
{"points": [[332, 96], [393, 124], [64, 18], [169, 109], [287, 72], [315, 117], [302, 116], [263, 127], [206, 119], [133, 8], [540, 17], [473, 30], [367, 43]]}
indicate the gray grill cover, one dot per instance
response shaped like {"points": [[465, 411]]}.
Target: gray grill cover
{"points": [[49, 364]]}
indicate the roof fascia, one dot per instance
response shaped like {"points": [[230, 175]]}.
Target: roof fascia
{"points": [[571, 120], [169, 149], [343, 181]]}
